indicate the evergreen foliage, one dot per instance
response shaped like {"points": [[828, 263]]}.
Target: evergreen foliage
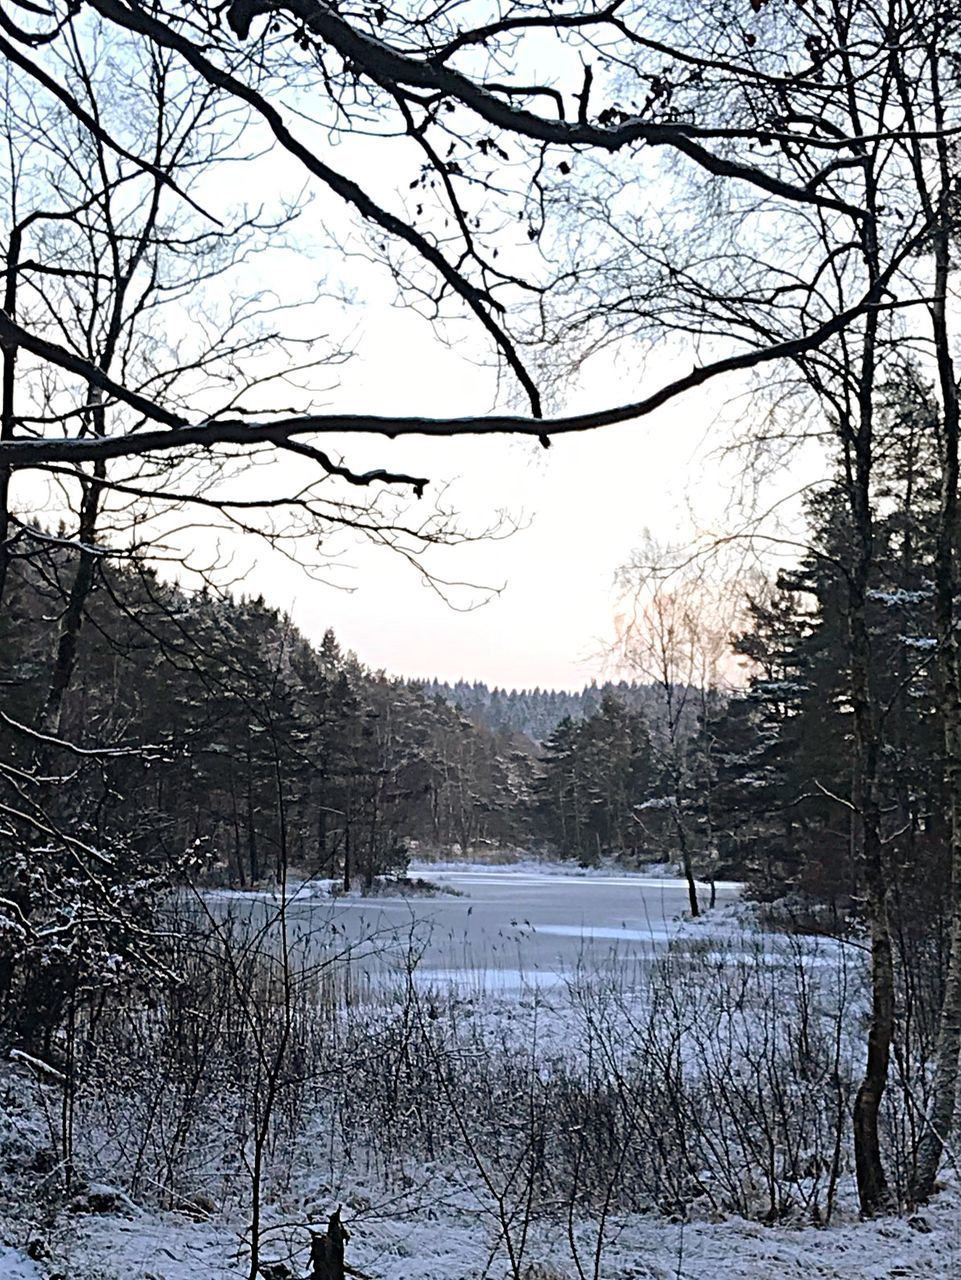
{"points": [[537, 712], [782, 800]]}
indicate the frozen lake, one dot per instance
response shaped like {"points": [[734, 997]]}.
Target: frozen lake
{"points": [[506, 927]]}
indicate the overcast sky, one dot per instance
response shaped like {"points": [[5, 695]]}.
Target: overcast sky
{"points": [[583, 505]]}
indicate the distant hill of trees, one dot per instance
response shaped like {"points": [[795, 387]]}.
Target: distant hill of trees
{"points": [[243, 743], [537, 712]]}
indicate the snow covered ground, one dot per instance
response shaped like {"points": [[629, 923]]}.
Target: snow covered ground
{"points": [[517, 952], [441, 1243]]}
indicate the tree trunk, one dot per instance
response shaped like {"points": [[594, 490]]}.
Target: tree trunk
{"points": [[686, 860], [238, 856], [251, 826], [323, 858], [327, 1251], [944, 1092], [7, 393], [873, 1190], [70, 627]]}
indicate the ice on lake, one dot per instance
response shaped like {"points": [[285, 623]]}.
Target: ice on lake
{"points": [[503, 929]]}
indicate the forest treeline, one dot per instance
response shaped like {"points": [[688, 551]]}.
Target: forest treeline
{"points": [[537, 712], [238, 744], [782, 803], [223, 743]]}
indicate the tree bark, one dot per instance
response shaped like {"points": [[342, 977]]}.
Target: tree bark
{"points": [[68, 642], [873, 1191], [7, 394], [327, 1251], [859, 444], [252, 854], [944, 1092]]}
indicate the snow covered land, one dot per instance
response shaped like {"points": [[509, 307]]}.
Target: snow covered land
{"points": [[548, 1076], [454, 1242]]}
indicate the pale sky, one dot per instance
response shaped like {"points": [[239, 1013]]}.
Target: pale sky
{"points": [[584, 504]]}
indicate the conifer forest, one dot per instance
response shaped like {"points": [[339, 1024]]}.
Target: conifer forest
{"points": [[358, 359]]}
